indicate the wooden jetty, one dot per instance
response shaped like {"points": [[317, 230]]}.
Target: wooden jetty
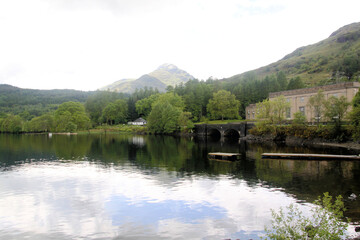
{"points": [[308, 156], [224, 156]]}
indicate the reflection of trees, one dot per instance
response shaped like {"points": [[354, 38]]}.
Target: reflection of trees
{"points": [[16, 149], [71, 147], [170, 153], [110, 148]]}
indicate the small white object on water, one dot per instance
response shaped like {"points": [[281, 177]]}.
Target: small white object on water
{"points": [[352, 196]]}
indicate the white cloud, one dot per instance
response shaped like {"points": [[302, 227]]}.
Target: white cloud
{"points": [[88, 44]]}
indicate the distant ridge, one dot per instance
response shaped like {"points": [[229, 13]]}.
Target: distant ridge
{"points": [[16, 100], [165, 75]]}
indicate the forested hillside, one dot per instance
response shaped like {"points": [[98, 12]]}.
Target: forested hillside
{"points": [[334, 59], [36, 102]]}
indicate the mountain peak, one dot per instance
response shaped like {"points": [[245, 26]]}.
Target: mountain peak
{"points": [[167, 66], [171, 74], [164, 75]]}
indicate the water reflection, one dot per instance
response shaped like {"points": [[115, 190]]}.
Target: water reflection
{"points": [[105, 186]]}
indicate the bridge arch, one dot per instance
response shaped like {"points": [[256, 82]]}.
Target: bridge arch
{"points": [[213, 132], [232, 133]]}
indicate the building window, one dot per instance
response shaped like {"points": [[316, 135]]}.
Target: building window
{"points": [[302, 110], [302, 99], [288, 100], [335, 95], [288, 112]]}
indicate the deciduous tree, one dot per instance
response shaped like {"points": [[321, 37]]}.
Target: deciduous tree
{"points": [[44, 123], [336, 108], [165, 113], [272, 111], [12, 124], [317, 104], [115, 113], [223, 105], [143, 106], [71, 116]]}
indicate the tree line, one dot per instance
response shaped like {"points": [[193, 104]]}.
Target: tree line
{"points": [[175, 110]]}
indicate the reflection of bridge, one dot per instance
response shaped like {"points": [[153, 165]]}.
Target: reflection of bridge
{"points": [[233, 130]]}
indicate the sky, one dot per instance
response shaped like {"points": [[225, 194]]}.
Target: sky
{"points": [[87, 44]]}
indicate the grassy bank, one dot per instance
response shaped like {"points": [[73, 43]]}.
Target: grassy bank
{"points": [[121, 128]]}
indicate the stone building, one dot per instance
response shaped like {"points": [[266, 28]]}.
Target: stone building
{"points": [[299, 98]]}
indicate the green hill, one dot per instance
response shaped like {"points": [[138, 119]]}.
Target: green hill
{"points": [[36, 102], [334, 59], [166, 74]]}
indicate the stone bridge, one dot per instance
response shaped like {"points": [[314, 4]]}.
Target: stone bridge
{"points": [[233, 130]]}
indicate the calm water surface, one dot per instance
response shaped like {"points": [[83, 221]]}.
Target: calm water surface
{"points": [[150, 187]]}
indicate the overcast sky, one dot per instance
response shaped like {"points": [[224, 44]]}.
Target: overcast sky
{"points": [[86, 44]]}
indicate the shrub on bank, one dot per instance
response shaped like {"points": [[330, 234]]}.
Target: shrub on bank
{"points": [[328, 132], [120, 128], [326, 221]]}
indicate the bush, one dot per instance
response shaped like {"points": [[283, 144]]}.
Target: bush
{"points": [[263, 128], [299, 118], [11, 124], [329, 132], [325, 221]]}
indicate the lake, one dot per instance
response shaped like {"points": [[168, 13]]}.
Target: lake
{"points": [[154, 187]]}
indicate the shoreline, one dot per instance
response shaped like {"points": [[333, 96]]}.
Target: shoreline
{"points": [[296, 141]]}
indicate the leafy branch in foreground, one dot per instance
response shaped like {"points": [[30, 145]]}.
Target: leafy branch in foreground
{"points": [[325, 222]]}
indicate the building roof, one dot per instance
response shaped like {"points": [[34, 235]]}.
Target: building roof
{"points": [[316, 89], [140, 120]]}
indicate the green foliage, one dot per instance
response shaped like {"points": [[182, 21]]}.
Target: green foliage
{"points": [[272, 111], [329, 132], [43, 123], [95, 104], [143, 106], [71, 116], [163, 118], [115, 113], [26, 116], [295, 83], [299, 118], [317, 105], [137, 96], [12, 124], [121, 128], [349, 66], [172, 98], [335, 109], [165, 114], [29, 103], [196, 95], [325, 222], [282, 81], [186, 125], [355, 116], [223, 105]]}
